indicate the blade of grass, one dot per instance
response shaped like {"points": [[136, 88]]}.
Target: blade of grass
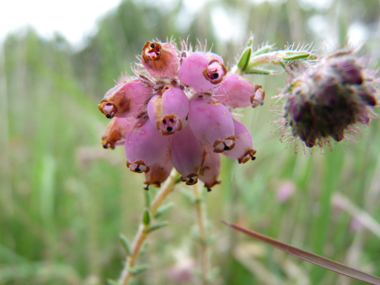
{"points": [[311, 257]]}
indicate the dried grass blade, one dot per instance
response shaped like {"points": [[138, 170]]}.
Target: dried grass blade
{"points": [[311, 257]]}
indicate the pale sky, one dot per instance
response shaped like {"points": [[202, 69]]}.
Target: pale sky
{"points": [[72, 18]]}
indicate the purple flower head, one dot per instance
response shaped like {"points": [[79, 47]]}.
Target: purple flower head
{"points": [[180, 115], [329, 98]]}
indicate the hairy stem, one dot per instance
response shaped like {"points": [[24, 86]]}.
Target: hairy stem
{"points": [[200, 220], [142, 233]]}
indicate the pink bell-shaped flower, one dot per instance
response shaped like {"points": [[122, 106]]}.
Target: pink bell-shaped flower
{"points": [[202, 71], [159, 171], [187, 155], [169, 111], [160, 59], [243, 150], [127, 99], [237, 92], [117, 130], [144, 146], [210, 168], [212, 124]]}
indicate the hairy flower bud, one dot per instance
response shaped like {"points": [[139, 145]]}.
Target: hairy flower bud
{"points": [[327, 99], [243, 150], [169, 111], [117, 130], [237, 92], [212, 124], [187, 155], [144, 146], [202, 71], [127, 99], [159, 171], [160, 59], [210, 169]]}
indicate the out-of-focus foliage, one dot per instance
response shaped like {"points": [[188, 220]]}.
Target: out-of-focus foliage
{"points": [[64, 200]]}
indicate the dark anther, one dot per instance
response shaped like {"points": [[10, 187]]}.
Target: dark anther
{"points": [[108, 116], [253, 157], [215, 75], [226, 148], [137, 169], [169, 129], [152, 45], [208, 189], [147, 187], [105, 145], [191, 180]]}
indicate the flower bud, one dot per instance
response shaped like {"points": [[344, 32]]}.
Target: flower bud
{"points": [[243, 150], [117, 130], [144, 146], [202, 71], [212, 124], [169, 111], [159, 171], [237, 92], [160, 59], [187, 155], [127, 99], [210, 168]]}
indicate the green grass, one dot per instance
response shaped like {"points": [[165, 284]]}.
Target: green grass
{"points": [[64, 199]]}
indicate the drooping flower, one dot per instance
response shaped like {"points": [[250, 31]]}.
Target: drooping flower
{"points": [[144, 146], [160, 59], [170, 110], [129, 98]]}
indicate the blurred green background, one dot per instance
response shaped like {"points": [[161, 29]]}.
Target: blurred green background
{"points": [[64, 199]]}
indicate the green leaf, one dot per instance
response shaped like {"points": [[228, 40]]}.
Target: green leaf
{"points": [[125, 244], [263, 49], [260, 71], [244, 59], [163, 210], [138, 269], [311, 257], [293, 55], [157, 226], [146, 217], [112, 282]]}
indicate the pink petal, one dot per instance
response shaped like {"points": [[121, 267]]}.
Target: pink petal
{"points": [[187, 155], [236, 92], [159, 171], [117, 130], [170, 110], [243, 150], [130, 98], [212, 124], [210, 168], [202, 71], [144, 146]]}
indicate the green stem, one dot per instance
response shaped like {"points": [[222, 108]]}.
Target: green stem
{"points": [[142, 233]]}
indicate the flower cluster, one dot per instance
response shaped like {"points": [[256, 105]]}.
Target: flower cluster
{"points": [[176, 112], [329, 98]]}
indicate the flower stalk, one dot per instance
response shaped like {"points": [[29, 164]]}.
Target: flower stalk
{"points": [[145, 228], [203, 240]]}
